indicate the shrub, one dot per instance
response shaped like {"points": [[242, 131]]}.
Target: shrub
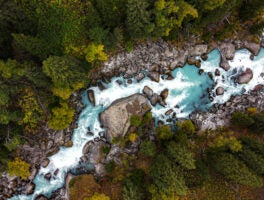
{"points": [[135, 120], [163, 132], [148, 148], [241, 120], [252, 110], [18, 167], [132, 137], [187, 126], [109, 167]]}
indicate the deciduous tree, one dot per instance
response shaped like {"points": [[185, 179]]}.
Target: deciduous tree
{"points": [[18, 167]]}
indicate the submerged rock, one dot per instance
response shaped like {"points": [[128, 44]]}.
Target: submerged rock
{"points": [[48, 176], [116, 118], [90, 94], [245, 77]]}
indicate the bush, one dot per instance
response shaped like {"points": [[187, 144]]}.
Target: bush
{"points": [[132, 137], [109, 167], [187, 126], [163, 132], [135, 120], [252, 110], [241, 120]]}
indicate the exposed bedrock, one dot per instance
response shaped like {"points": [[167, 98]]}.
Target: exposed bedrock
{"points": [[116, 118]]}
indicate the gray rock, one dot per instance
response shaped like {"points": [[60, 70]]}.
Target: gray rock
{"points": [[90, 95], [154, 76], [148, 91], [227, 50], [87, 147], [220, 91], [100, 169], [224, 64], [116, 118], [252, 47], [164, 94], [140, 76], [59, 138], [45, 162], [154, 68], [155, 99], [198, 50], [245, 77], [33, 173]]}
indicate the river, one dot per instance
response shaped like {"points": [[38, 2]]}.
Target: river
{"points": [[188, 90]]}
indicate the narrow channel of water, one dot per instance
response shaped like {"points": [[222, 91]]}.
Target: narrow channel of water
{"points": [[188, 90]]}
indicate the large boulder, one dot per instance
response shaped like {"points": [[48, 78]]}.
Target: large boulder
{"points": [[245, 77], [116, 118]]}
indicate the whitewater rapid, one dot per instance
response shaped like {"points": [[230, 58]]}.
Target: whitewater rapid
{"points": [[187, 93]]}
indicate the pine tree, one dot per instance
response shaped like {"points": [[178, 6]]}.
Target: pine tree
{"points": [[138, 19]]}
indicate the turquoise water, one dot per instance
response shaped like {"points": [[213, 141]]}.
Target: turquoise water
{"points": [[187, 90]]}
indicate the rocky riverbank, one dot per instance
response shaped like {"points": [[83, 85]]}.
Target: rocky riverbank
{"points": [[220, 115], [36, 151], [160, 58]]}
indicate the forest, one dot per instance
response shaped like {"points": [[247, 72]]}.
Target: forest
{"points": [[48, 49], [183, 163]]}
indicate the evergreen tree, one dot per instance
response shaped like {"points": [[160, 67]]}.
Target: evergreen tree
{"points": [[66, 74], [181, 155], [233, 169], [138, 19], [253, 160], [167, 176]]}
